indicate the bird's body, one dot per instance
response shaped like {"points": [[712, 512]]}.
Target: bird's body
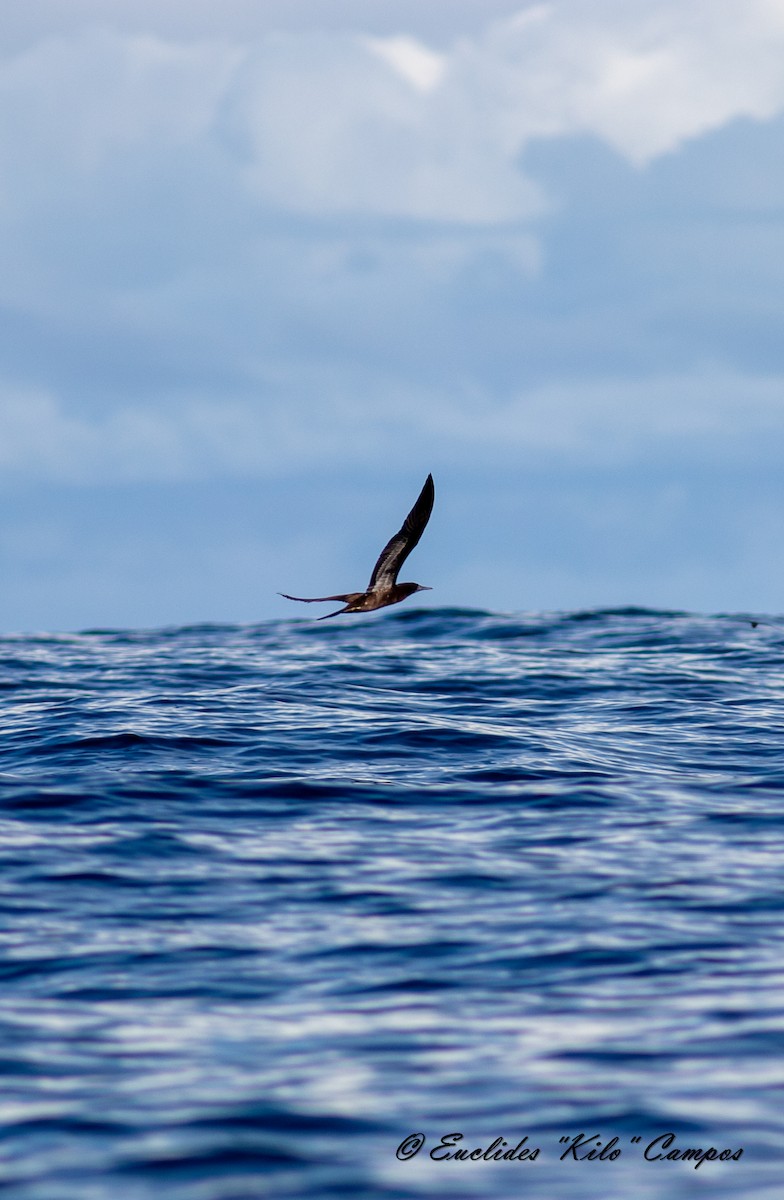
{"points": [[383, 588]]}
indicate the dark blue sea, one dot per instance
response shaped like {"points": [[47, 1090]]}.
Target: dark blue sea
{"points": [[301, 910]]}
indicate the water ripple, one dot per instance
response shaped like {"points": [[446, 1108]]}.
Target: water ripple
{"points": [[272, 898]]}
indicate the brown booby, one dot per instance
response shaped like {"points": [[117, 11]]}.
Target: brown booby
{"points": [[383, 588]]}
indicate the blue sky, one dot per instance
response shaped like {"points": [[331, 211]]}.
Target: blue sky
{"points": [[265, 265]]}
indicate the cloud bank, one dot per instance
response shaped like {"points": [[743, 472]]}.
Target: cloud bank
{"points": [[268, 246], [184, 223]]}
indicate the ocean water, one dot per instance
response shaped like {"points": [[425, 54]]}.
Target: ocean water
{"points": [[275, 899]]}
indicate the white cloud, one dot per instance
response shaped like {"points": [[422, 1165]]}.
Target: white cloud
{"points": [[332, 125], [644, 78], [172, 210], [345, 123], [417, 64], [331, 132], [71, 107], [697, 418]]}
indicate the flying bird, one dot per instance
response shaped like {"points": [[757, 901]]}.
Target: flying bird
{"points": [[383, 588]]}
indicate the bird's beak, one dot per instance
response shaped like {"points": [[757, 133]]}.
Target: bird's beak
{"points": [[421, 588]]}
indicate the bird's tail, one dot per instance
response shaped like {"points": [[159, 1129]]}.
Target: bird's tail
{"points": [[349, 597]]}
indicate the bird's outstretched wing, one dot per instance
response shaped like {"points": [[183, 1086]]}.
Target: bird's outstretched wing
{"points": [[349, 596], [398, 548]]}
